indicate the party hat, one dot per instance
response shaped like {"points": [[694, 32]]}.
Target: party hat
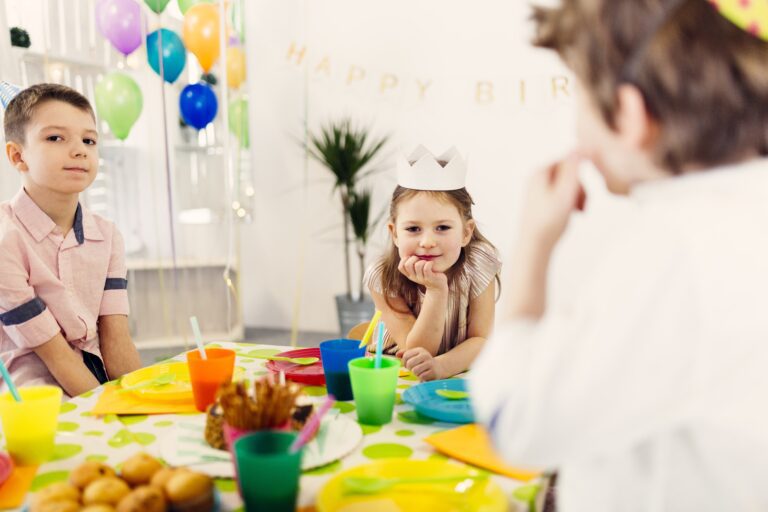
{"points": [[8, 91], [749, 15]]}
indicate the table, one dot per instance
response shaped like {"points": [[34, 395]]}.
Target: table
{"points": [[112, 439]]}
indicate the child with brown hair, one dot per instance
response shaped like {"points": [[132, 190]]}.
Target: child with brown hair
{"points": [[650, 393], [436, 286], [63, 286]]}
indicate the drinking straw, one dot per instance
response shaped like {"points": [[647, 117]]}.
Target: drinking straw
{"points": [[11, 385], [198, 336], [369, 330], [312, 425], [379, 346]]}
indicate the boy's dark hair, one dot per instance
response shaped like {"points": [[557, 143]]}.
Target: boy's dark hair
{"points": [[704, 80], [21, 108]]}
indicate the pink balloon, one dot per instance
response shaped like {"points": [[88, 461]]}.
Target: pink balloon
{"points": [[120, 22]]}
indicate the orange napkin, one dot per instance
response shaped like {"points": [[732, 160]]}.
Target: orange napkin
{"points": [[14, 490], [471, 444], [112, 402]]}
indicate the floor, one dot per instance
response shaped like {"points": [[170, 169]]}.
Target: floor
{"points": [[252, 335]]}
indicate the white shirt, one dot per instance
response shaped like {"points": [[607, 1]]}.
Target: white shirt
{"points": [[651, 393]]}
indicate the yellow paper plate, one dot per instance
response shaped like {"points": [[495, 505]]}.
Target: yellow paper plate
{"points": [[180, 390], [482, 496]]}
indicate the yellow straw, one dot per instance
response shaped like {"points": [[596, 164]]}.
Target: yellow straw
{"points": [[369, 331]]}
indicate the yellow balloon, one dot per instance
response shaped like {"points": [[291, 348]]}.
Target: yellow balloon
{"points": [[201, 33], [235, 66]]}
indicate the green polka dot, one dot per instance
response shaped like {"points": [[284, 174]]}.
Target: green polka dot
{"points": [[163, 423], [110, 418], [125, 437], [333, 467], [225, 485], [213, 345], [67, 406], [344, 407], [239, 369], [404, 433], [262, 352], [414, 418], [387, 451], [410, 377], [67, 426], [315, 390], [404, 386], [244, 360], [65, 451], [369, 429], [398, 399], [87, 394], [93, 433], [97, 458], [437, 456], [132, 420], [45, 479]]}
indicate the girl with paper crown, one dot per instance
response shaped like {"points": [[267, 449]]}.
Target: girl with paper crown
{"points": [[436, 286], [650, 393]]}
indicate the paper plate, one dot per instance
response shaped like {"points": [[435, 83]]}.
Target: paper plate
{"points": [[427, 402], [6, 467], [311, 374], [479, 496], [185, 445], [178, 391]]}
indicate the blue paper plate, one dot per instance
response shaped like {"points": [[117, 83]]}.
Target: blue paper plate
{"points": [[428, 403]]}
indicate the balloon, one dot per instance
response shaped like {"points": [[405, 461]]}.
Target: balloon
{"points": [[238, 121], [118, 102], [174, 54], [120, 22], [235, 66], [184, 5], [157, 5], [201, 33], [198, 105]]}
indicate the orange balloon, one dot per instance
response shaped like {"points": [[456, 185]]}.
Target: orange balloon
{"points": [[235, 66], [201, 33]]}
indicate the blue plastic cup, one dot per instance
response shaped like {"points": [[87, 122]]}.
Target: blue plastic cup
{"points": [[336, 355]]}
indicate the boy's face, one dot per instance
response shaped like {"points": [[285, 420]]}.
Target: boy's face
{"points": [[59, 154]]}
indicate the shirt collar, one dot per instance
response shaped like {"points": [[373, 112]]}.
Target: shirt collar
{"points": [[40, 225]]}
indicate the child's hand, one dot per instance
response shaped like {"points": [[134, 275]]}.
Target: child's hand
{"points": [[423, 365], [553, 194], [421, 272]]}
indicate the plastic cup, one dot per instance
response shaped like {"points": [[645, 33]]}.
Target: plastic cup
{"points": [[336, 354], [374, 389], [30, 426], [208, 374], [267, 474]]}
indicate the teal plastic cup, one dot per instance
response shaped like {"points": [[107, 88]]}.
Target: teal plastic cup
{"points": [[267, 474], [374, 389]]}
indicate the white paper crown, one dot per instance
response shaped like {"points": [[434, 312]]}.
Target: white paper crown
{"points": [[421, 170]]}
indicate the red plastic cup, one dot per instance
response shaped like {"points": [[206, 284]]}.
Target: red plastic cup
{"points": [[208, 374]]}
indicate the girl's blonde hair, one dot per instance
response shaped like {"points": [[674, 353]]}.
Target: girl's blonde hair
{"points": [[393, 282]]}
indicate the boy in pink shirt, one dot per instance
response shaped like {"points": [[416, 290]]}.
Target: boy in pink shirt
{"points": [[63, 286]]}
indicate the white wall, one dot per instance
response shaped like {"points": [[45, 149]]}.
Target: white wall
{"points": [[502, 102]]}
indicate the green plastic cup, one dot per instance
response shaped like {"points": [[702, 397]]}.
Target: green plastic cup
{"points": [[267, 474], [30, 425], [374, 389]]}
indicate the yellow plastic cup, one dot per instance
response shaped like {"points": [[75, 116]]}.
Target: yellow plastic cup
{"points": [[30, 426]]}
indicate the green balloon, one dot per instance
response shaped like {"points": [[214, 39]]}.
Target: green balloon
{"points": [[157, 5], [118, 102], [184, 5], [238, 121]]}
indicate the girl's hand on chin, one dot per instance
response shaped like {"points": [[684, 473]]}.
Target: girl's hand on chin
{"points": [[422, 272]]}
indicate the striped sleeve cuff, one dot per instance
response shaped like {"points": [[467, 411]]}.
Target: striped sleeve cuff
{"points": [[30, 325]]}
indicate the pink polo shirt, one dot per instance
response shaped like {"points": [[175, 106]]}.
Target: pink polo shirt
{"points": [[51, 283]]}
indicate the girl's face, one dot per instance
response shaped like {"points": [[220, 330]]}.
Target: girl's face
{"points": [[430, 229]]}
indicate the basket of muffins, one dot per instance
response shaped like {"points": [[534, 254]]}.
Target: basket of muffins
{"points": [[267, 406], [143, 484]]}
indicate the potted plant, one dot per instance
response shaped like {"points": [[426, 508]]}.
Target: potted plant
{"points": [[347, 152]]}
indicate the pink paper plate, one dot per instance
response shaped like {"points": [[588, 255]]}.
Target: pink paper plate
{"points": [[311, 374]]}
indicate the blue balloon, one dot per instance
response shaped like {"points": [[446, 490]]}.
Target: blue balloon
{"points": [[174, 54], [198, 105]]}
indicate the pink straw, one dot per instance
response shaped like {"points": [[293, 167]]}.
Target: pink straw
{"points": [[312, 425]]}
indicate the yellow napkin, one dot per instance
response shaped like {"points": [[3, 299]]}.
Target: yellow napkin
{"points": [[14, 490], [112, 402], [471, 444]]}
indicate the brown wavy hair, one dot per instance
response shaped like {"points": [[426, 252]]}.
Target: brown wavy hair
{"points": [[393, 282], [703, 79]]}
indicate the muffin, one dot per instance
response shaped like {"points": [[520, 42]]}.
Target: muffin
{"points": [[145, 498], [108, 490], [99, 507], [139, 469], [57, 506], [58, 491], [89, 471], [189, 491]]}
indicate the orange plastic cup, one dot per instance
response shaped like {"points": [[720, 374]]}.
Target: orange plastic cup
{"points": [[208, 374]]}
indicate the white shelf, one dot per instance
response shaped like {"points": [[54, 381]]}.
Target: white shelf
{"points": [[143, 264]]}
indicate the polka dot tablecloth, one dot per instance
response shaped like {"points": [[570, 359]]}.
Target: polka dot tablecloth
{"points": [[113, 439]]}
